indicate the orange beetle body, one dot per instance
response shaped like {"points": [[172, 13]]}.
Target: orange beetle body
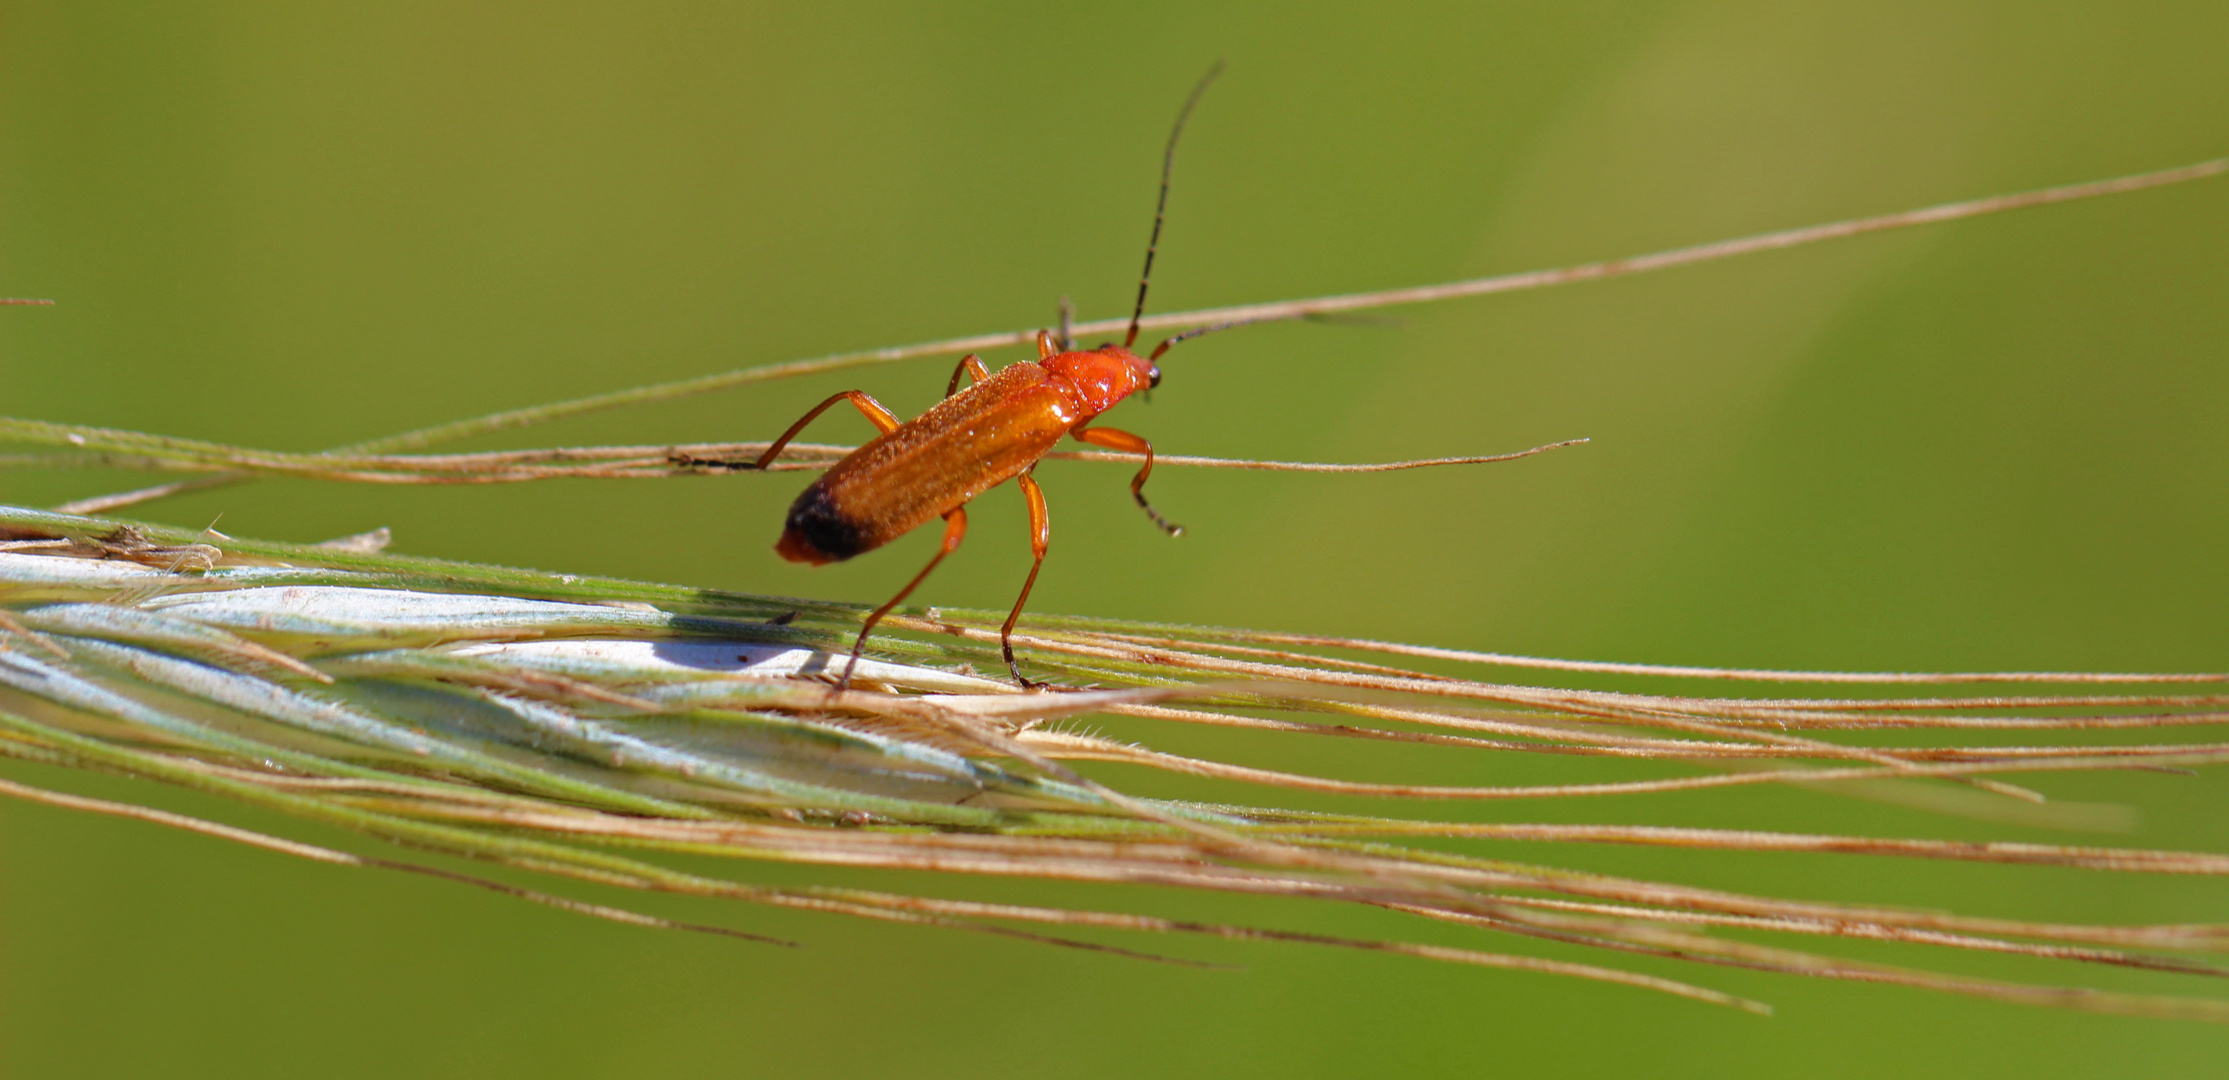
{"points": [[967, 444], [972, 441]]}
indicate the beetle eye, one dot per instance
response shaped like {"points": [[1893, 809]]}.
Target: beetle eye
{"points": [[1153, 378]]}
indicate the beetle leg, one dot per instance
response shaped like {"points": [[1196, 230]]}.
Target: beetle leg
{"points": [[1047, 348], [1040, 534], [1067, 325], [883, 420], [970, 364], [1115, 439], [955, 529]]}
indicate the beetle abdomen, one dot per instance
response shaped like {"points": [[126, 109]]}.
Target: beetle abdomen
{"points": [[818, 532]]}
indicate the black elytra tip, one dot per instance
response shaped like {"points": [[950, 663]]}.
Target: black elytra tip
{"points": [[815, 519]]}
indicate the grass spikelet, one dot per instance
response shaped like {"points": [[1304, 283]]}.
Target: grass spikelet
{"points": [[580, 727]]}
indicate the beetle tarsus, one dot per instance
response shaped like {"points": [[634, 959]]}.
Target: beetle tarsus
{"points": [[1166, 525], [843, 682], [679, 459], [1021, 680]]}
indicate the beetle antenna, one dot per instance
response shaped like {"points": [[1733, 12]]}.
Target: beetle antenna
{"points": [[1233, 324], [1168, 163]]}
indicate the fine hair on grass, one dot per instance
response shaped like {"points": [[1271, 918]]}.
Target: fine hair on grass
{"points": [[596, 730]]}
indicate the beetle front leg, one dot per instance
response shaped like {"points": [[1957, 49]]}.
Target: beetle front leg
{"points": [[1117, 439]]}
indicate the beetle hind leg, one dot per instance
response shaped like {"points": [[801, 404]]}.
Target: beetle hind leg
{"points": [[883, 419], [955, 530]]}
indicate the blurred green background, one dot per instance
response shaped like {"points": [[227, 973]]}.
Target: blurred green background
{"points": [[1996, 444]]}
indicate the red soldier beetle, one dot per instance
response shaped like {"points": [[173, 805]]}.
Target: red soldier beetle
{"points": [[974, 440]]}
